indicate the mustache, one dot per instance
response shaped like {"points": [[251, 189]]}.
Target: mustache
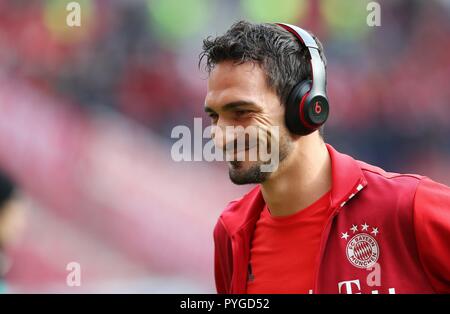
{"points": [[232, 143], [239, 146], [237, 151]]}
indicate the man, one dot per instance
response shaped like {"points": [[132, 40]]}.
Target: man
{"points": [[321, 222]]}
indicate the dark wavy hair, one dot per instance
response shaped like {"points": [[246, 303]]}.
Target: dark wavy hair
{"points": [[277, 51]]}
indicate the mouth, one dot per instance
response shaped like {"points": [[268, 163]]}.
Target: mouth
{"points": [[231, 151], [233, 156]]}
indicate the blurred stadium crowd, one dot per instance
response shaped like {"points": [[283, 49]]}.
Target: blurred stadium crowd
{"points": [[87, 113]]}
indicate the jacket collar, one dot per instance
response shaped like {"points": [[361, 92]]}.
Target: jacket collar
{"points": [[347, 180]]}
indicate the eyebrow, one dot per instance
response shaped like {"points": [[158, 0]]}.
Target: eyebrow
{"points": [[232, 105]]}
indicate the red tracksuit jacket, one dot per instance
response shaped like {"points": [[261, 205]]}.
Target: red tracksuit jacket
{"points": [[389, 233]]}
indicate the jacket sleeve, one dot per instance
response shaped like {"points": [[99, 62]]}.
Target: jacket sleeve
{"points": [[223, 259], [432, 228]]}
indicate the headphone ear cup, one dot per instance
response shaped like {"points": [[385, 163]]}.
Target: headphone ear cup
{"points": [[293, 113]]}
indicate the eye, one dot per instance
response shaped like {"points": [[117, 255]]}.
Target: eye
{"points": [[241, 113], [213, 116]]}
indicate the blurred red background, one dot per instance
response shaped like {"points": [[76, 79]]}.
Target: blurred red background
{"points": [[87, 113]]}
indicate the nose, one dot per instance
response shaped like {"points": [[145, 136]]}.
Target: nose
{"points": [[219, 136], [224, 136]]}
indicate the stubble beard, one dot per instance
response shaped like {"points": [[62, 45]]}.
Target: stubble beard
{"points": [[253, 175]]}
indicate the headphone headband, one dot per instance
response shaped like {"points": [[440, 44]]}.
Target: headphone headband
{"points": [[307, 107], [301, 34], [317, 65]]}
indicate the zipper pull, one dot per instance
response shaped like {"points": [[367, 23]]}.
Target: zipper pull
{"points": [[250, 276]]}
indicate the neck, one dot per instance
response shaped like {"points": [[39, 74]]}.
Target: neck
{"points": [[301, 179]]}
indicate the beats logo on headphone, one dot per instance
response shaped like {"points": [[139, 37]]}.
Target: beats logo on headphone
{"points": [[307, 106]]}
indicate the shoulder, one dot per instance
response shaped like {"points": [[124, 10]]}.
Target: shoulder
{"points": [[432, 190], [389, 195], [374, 171], [432, 201], [412, 192], [380, 180], [423, 189]]}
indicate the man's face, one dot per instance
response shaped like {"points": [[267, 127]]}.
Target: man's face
{"points": [[238, 95]]}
